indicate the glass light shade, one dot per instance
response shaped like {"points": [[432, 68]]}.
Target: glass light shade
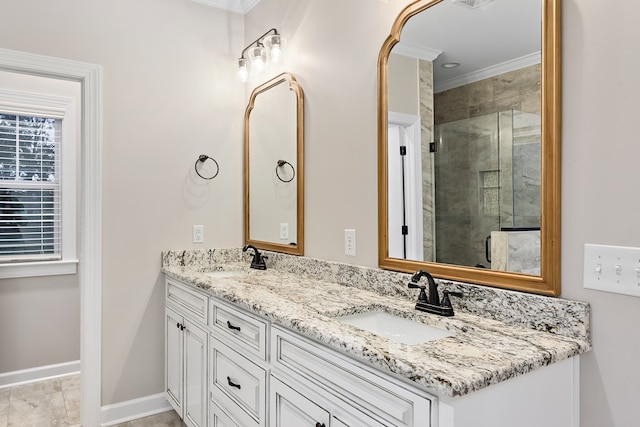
{"points": [[275, 44], [258, 58], [243, 71]]}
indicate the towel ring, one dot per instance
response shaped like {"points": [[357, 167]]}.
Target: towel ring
{"points": [[203, 158], [280, 164]]}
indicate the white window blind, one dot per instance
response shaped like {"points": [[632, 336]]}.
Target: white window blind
{"points": [[30, 187]]}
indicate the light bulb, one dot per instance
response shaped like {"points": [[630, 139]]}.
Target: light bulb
{"points": [[274, 43], [243, 72], [258, 58]]}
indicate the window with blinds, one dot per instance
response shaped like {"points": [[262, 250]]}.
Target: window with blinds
{"points": [[30, 190]]}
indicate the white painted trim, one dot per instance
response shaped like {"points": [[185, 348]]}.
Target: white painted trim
{"points": [[236, 6], [492, 71], [134, 409], [576, 392], [37, 269], [90, 267], [416, 51], [40, 373], [415, 239]]}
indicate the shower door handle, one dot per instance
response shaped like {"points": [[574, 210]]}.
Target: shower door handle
{"points": [[487, 249]]}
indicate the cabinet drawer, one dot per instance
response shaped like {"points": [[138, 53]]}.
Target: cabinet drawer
{"points": [[218, 418], [191, 301], [246, 330], [383, 399], [238, 385]]}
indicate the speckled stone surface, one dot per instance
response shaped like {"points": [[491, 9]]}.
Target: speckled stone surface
{"points": [[498, 334]]}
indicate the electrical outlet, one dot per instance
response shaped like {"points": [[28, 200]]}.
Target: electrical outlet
{"points": [[284, 230], [612, 269], [350, 242], [198, 233]]}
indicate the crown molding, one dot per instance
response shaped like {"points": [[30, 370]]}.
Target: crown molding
{"points": [[416, 51], [485, 73], [235, 6]]}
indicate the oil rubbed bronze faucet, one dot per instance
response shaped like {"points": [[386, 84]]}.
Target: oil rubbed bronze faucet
{"points": [[258, 259], [432, 303]]}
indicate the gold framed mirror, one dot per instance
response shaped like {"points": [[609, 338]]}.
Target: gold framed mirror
{"points": [[481, 191], [274, 166]]}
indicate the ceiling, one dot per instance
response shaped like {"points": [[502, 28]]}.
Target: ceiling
{"points": [[237, 6], [495, 37], [491, 39]]}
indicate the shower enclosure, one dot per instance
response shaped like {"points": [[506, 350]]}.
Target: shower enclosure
{"points": [[487, 180]]}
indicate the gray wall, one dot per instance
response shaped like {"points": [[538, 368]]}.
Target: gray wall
{"points": [[599, 153], [179, 49], [169, 94], [39, 322]]}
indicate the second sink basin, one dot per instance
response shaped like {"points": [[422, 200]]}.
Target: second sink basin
{"points": [[395, 328], [222, 273]]}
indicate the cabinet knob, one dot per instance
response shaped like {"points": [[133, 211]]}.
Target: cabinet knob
{"points": [[232, 384], [230, 326], [319, 425], [178, 325]]}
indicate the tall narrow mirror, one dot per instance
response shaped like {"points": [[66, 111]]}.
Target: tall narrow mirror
{"points": [[468, 128], [274, 166]]}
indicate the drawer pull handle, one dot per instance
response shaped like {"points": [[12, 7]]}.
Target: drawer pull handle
{"points": [[230, 326], [232, 384], [319, 425]]}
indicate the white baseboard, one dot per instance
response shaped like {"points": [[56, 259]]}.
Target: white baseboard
{"points": [[133, 409], [40, 373]]}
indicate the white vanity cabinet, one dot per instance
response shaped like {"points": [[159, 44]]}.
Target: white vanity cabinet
{"points": [[351, 392], [186, 343], [228, 367], [238, 366], [293, 404]]}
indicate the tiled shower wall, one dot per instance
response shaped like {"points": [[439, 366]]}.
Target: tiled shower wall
{"points": [[425, 69], [515, 90], [467, 190]]}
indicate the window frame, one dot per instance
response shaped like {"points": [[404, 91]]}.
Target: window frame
{"points": [[44, 105]]}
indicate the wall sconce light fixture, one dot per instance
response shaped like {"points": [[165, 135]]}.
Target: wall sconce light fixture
{"points": [[266, 48]]}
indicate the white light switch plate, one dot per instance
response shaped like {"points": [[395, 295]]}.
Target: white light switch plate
{"points": [[350, 242], [284, 230], [612, 269]]}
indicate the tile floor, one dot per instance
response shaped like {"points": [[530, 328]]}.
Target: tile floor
{"points": [[56, 403]]}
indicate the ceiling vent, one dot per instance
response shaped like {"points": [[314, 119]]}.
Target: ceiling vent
{"points": [[472, 4]]}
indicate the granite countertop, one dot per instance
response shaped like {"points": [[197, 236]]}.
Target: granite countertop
{"points": [[481, 352]]}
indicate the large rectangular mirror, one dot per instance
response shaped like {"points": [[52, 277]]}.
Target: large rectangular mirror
{"points": [[274, 166], [469, 137]]}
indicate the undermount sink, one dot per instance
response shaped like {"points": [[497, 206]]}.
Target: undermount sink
{"points": [[222, 273], [219, 271], [395, 328]]}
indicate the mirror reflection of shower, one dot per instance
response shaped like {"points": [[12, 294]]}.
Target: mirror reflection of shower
{"points": [[480, 192], [488, 191]]}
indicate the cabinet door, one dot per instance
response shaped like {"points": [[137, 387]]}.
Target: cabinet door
{"points": [[195, 375], [174, 359], [290, 408]]}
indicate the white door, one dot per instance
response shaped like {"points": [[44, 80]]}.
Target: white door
{"points": [[195, 375], [404, 188], [173, 359], [290, 408]]}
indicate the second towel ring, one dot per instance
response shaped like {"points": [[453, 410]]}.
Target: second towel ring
{"points": [[280, 164], [203, 158]]}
